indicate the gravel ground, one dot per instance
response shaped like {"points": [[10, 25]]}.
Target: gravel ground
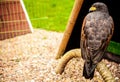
{"points": [[31, 58]]}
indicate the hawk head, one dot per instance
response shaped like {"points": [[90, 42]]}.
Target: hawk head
{"points": [[98, 6]]}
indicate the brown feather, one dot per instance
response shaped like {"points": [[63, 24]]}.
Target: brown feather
{"points": [[96, 33]]}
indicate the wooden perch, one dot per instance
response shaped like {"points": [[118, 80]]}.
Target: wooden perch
{"points": [[104, 72], [101, 67], [71, 22], [66, 58]]}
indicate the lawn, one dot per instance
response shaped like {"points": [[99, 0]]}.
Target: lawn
{"points": [[114, 47], [49, 14]]}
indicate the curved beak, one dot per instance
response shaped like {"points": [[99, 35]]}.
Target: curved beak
{"points": [[92, 9]]}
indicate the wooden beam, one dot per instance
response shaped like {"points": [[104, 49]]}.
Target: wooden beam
{"points": [[71, 22]]}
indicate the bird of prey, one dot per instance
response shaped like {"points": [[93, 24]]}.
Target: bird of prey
{"points": [[97, 30]]}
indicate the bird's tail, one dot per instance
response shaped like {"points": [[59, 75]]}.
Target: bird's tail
{"points": [[88, 71]]}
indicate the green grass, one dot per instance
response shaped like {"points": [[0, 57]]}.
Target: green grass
{"points": [[114, 47], [49, 14]]}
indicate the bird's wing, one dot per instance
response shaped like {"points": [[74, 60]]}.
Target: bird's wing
{"points": [[105, 39], [93, 45], [82, 41]]}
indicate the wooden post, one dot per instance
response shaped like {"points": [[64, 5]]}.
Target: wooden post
{"points": [[71, 22]]}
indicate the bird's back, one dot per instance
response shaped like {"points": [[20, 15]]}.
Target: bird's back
{"points": [[97, 29]]}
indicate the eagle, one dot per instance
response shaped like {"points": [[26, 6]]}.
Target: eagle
{"points": [[96, 33]]}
